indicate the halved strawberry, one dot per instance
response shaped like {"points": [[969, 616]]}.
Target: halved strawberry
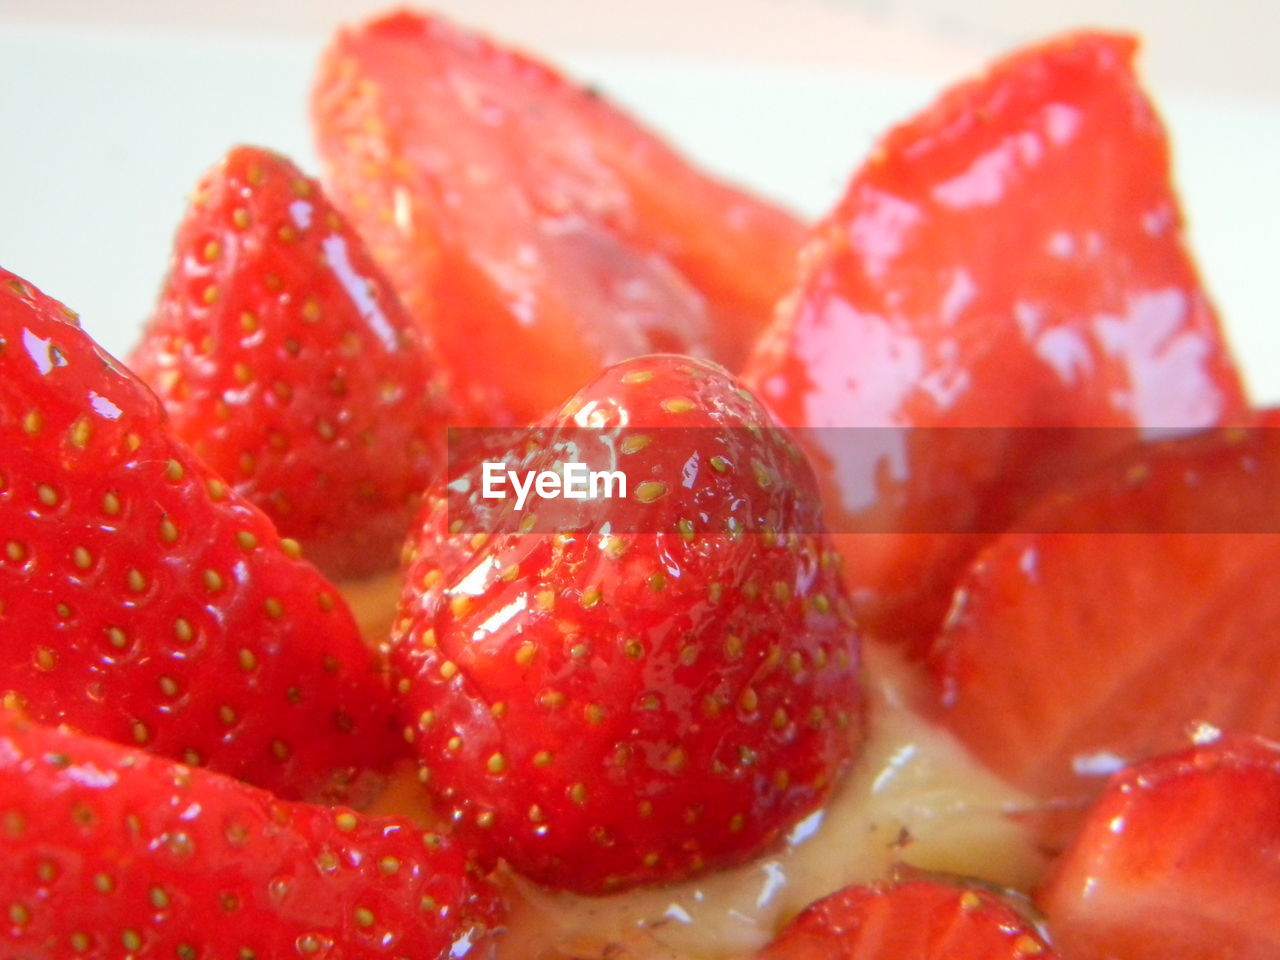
{"points": [[1012, 257], [111, 852], [144, 601], [287, 362], [1178, 858], [1130, 606], [651, 686], [915, 920], [538, 232]]}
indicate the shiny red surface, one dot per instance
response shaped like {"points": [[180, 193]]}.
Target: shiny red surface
{"points": [[301, 379], [111, 852], [538, 232], [1013, 256], [1071, 653], [142, 601], [914, 920], [700, 687], [1177, 859]]}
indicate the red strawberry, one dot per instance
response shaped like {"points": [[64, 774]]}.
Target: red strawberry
{"points": [[286, 361], [1090, 639], [655, 686], [1270, 417], [917, 920], [111, 852], [1012, 257], [143, 601], [537, 231], [1177, 859]]}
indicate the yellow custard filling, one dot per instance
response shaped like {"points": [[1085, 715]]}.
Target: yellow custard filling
{"points": [[915, 798]]}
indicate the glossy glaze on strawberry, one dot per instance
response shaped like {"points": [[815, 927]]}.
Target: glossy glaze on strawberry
{"points": [[609, 708], [1140, 601], [111, 852], [286, 360], [660, 688], [1177, 859], [144, 601], [537, 231], [913, 920], [1012, 257]]}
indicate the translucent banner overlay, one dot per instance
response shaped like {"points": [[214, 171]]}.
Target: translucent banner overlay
{"points": [[870, 480]]}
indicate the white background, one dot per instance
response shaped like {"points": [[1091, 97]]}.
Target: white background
{"points": [[110, 110]]}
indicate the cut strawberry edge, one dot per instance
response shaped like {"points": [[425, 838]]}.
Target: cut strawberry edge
{"points": [[1011, 256], [552, 235], [1176, 858], [1054, 664], [913, 920]]}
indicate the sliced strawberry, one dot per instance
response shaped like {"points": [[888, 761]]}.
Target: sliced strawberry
{"points": [[1090, 639], [655, 688], [917, 920], [287, 362], [1269, 417], [1012, 257], [1178, 858], [538, 232], [142, 600], [111, 852]]}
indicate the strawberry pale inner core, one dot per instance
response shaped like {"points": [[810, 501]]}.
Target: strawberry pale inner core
{"points": [[915, 798]]}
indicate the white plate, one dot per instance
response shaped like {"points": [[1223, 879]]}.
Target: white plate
{"points": [[107, 125]]}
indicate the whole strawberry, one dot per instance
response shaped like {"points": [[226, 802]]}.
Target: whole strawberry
{"points": [[144, 601], [655, 685], [111, 852], [285, 359]]}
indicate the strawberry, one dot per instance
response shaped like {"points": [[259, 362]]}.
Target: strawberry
{"points": [[651, 686], [537, 231], [1177, 859], [112, 852], [915, 920], [142, 600], [285, 359], [1012, 257], [1128, 606]]}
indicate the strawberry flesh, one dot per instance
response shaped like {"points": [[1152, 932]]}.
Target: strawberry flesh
{"points": [[115, 852], [1010, 258], [142, 600], [645, 694], [1130, 606], [286, 360], [538, 232], [1177, 859], [914, 920]]}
